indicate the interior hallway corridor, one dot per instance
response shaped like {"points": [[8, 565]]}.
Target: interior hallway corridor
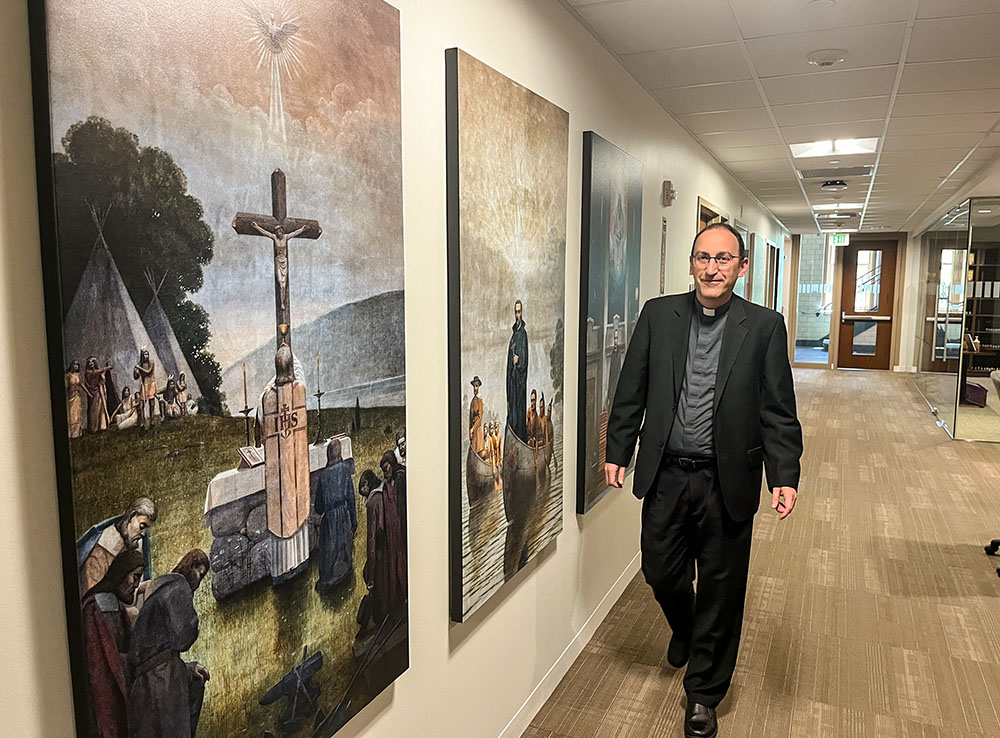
{"points": [[871, 611]]}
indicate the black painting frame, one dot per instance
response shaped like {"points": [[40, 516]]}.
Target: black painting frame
{"points": [[589, 139], [52, 296], [454, 333]]}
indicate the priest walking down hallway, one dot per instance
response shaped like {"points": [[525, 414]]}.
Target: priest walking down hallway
{"points": [[706, 389]]}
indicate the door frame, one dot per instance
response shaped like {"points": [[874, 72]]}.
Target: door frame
{"points": [[901, 240], [897, 299], [720, 215]]}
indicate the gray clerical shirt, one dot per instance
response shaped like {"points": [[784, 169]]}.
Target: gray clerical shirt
{"points": [[692, 433]]}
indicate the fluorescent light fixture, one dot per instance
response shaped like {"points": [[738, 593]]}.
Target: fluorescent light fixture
{"points": [[835, 216], [840, 146], [839, 206], [839, 230], [984, 211]]}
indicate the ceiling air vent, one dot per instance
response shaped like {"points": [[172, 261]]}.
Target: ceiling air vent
{"points": [[835, 172]]}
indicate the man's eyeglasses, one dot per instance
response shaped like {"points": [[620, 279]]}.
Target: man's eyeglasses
{"points": [[723, 260]]}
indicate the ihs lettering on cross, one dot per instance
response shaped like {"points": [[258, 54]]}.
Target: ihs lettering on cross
{"points": [[286, 445]]}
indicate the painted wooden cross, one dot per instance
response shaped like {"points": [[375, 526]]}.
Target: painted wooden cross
{"points": [[286, 442]]}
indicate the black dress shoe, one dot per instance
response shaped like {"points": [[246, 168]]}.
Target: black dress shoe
{"points": [[678, 652], [700, 721]]}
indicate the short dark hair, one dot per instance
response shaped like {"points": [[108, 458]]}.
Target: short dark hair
{"points": [[727, 227]]}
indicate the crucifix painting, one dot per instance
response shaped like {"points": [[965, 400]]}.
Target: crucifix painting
{"points": [[284, 418], [249, 517]]}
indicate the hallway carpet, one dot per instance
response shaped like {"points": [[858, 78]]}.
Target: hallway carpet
{"points": [[871, 611]]}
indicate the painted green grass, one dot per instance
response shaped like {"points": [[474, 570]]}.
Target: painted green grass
{"points": [[251, 640]]}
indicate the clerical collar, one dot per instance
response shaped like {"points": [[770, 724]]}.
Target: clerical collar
{"points": [[718, 312]]}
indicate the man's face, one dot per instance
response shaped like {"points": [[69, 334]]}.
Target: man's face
{"points": [[401, 442], [126, 590], [517, 312], [387, 471], [714, 282], [197, 576], [136, 528], [534, 400]]}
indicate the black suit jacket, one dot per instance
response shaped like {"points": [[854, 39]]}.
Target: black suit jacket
{"points": [[754, 421]]}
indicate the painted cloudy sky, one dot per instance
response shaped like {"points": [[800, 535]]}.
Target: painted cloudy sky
{"points": [[183, 75], [514, 150]]}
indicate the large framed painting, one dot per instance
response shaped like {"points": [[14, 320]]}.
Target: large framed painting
{"points": [[508, 154], [610, 238], [220, 189]]}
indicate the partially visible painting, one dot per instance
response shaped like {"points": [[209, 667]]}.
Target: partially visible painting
{"points": [[221, 201], [508, 150], [609, 294]]}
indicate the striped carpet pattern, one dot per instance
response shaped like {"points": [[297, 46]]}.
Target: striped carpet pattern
{"points": [[871, 611]]}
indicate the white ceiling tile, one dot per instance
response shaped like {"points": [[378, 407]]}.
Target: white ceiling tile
{"points": [[829, 85], [865, 108], [751, 153], [683, 67], [973, 37], [763, 137], [932, 141], [969, 101], [773, 17], [828, 131], [867, 46], [961, 123], [647, 25], [951, 8], [731, 120], [975, 74], [709, 98]]}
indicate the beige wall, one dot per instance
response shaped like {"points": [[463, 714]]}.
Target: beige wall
{"points": [[465, 680]]}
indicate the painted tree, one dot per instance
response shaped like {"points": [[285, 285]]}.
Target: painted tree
{"points": [[153, 224]]}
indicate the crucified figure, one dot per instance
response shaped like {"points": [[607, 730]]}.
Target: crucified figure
{"points": [[280, 259]]}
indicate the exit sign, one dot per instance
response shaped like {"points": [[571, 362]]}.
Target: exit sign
{"points": [[840, 239]]}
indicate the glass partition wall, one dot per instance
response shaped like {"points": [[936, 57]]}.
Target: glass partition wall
{"points": [[960, 353], [944, 249], [814, 303], [978, 415]]}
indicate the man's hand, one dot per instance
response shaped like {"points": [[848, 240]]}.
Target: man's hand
{"points": [[201, 673], [614, 475], [783, 500]]}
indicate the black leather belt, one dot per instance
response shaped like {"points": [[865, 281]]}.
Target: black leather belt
{"points": [[689, 463]]}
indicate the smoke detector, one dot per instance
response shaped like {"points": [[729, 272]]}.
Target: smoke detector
{"points": [[825, 58], [833, 185]]}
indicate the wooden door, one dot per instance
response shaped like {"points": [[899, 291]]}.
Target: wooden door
{"points": [[865, 340]]}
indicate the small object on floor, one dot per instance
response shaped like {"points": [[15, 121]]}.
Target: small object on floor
{"points": [[299, 691], [700, 721], [992, 547], [678, 652]]}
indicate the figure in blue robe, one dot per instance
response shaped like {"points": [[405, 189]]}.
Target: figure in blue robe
{"points": [[335, 501]]}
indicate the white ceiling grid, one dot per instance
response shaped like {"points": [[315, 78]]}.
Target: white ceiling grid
{"points": [[921, 75]]}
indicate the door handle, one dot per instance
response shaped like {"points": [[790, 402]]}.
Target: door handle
{"points": [[844, 317]]}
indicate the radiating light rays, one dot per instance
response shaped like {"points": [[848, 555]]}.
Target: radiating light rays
{"points": [[277, 44]]}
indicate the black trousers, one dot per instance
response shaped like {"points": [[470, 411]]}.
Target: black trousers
{"points": [[685, 528]]}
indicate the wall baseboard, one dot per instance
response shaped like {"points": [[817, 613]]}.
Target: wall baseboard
{"points": [[526, 713]]}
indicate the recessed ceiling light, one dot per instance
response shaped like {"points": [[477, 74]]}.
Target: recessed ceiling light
{"points": [[825, 58], [835, 161], [839, 206], [834, 185], [832, 148]]}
